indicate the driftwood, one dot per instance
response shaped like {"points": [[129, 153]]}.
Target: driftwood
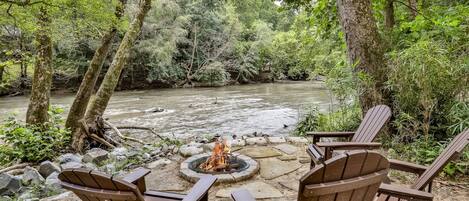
{"points": [[120, 134], [141, 128], [15, 167], [94, 136], [16, 172]]}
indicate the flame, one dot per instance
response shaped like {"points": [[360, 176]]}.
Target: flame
{"points": [[219, 159]]}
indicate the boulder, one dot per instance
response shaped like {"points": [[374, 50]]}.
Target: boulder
{"points": [[159, 163], [53, 182], [191, 149], [96, 155], [276, 140], [72, 164], [46, 168], [256, 140], [27, 195], [67, 196], [31, 176], [69, 157], [238, 143], [9, 184], [119, 153]]}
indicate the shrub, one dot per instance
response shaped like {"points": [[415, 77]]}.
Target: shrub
{"points": [[213, 74], [33, 143]]}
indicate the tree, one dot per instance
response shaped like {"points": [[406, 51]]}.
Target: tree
{"points": [[97, 106], [42, 80], [389, 14], [364, 49], [88, 83]]}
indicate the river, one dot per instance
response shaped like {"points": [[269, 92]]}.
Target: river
{"points": [[272, 109]]}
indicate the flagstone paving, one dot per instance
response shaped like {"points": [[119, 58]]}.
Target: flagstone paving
{"points": [[260, 152]]}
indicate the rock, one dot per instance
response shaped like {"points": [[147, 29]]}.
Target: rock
{"points": [[9, 184], [118, 152], [191, 149], [286, 148], [26, 195], [159, 163], [238, 143], [110, 168], [256, 140], [154, 110], [71, 164], [260, 152], [208, 147], [31, 176], [276, 140], [290, 184], [287, 157], [155, 152], [46, 168], [304, 159], [95, 155], [259, 190], [297, 140], [272, 168], [67, 196], [52, 181], [90, 166], [69, 157], [146, 156], [6, 198], [175, 150]]}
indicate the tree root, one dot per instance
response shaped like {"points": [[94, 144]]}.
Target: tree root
{"points": [[120, 134], [15, 167], [95, 137], [16, 171]]}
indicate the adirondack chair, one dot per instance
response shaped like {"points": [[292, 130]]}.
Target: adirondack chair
{"points": [[362, 138], [90, 185], [355, 175], [426, 174]]}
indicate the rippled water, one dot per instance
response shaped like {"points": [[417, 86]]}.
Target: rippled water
{"points": [[237, 110]]}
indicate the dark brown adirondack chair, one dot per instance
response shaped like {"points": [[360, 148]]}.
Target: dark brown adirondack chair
{"points": [[426, 174], [90, 185], [372, 123], [355, 175]]}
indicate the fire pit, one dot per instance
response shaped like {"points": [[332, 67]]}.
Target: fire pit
{"points": [[221, 163]]}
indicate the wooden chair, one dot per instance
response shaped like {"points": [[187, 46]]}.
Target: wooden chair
{"points": [[90, 185], [426, 174], [355, 175], [369, 128]]}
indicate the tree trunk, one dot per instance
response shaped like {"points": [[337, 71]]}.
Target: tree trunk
{"points": [[2, 69], [389, 15], [413, 9], [97, 106], [77, 111], [364, 49], [42, 79]]}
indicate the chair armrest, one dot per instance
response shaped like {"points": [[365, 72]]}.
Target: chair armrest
{"points": [[318, 135], [349, 145], [315, 153], [136, 175], [200, 189], [404, 193], [407, 167], [242, 195]]}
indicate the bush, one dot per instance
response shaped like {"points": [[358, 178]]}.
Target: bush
{"points": [[30, 143], [213, 74]]}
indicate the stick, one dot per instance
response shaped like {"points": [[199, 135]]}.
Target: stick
{"points": [[120, 134], [95, 137], [14, 167], [16, 172]]}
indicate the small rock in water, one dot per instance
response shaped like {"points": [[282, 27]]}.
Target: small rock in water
{"points": [[95, 155], [46, 168], [9, 184], [154, 110], [31, 176]]}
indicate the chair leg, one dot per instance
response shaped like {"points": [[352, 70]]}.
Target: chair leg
{"points": [[205, 198]]}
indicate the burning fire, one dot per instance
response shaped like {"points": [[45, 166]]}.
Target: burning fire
{"points": [[219, 160]]}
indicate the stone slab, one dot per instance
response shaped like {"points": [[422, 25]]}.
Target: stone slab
{"points": [[260, 152], [276, 140], [259, 190], [256, 141], [272, 168], [290, 184], [287, 148]]}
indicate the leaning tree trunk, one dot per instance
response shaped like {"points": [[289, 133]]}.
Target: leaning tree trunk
{"points": [[364, 48], [389, 15], [42, 79], [77, 110], [97, 106]]}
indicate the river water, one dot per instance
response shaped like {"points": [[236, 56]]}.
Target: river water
{"points": [[272, 109]]}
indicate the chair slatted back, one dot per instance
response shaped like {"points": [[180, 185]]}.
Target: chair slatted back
{"points": [[451, 152], [90, 185], [372, 123], [355, 175]]}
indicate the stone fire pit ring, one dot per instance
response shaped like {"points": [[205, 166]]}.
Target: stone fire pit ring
{"points": [[193, 176]]}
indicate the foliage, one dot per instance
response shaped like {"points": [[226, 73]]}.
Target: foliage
{"points": [[214, 74], [30, 143]]}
